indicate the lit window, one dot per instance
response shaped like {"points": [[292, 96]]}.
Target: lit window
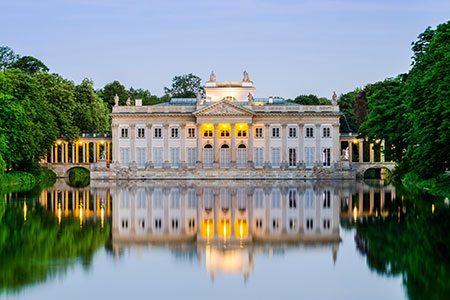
{"points": [[191, 132], [224, 133], [242, 133], [208, 133]]}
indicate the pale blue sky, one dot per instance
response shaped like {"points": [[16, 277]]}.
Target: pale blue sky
{"points": [[288, 47]]}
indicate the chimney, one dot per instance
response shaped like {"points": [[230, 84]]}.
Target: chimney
{"points": [[138, 102]]}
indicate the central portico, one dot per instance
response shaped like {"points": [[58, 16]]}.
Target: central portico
{"points": [[227, 128]]}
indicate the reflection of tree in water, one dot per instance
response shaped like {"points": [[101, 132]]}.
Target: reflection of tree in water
{"points": [[39, 248], [415, 245]]}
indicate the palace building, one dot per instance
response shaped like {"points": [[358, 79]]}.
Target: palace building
{"points": [[227, 128]]}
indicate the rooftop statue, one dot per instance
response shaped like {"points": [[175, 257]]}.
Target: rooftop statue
{"points": [[246, 78], [212, 77], [334, 99], [128, 101], [116, 100], [199, 99]]}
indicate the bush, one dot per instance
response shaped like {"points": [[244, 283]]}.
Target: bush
{"points": [[2, 166]]}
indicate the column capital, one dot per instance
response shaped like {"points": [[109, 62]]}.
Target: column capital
{"points": [[149, 125], [166, 125], [318, 125], [182, 125], [301, 124], [114, 125], [284, 125], [132, 125]]}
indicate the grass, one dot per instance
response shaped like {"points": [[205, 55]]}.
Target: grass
{"points": [[21, 181]]}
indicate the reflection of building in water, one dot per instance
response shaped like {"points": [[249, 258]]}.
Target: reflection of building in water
{"points": [[230, 218], [82, 203]]}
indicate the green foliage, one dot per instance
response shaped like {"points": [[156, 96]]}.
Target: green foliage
{"points": [[427, 103], [79, 177], [2, 165], [111, 89], [29, 65], [38, 248], [311, 100], [26, 126], [185, 86], [147, 97], [21, 178], [7, 57], [346, 104], [90, 113]]}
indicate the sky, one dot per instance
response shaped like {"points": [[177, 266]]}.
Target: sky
{"points": [[288, 47]]}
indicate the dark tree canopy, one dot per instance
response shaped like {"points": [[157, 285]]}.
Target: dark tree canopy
{"points": [[311, 100], [346, 104], [360, 108], [30, 65], [111, 89], [7, 57], [185, 86], [146, 96]]}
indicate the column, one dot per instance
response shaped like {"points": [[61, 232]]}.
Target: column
{"points": [[233, 146], [335, 137], [94, 154], [84, 152], [216, 144], [183, 145], [300, 143], [133, 143], [149, 137], [56, 153], [350, 151], [382, 151], [250, 146], [283, 145], [73, 151], [360, 144], [87, 153], [371, 158], [266, 144], [66, 151], [77, 152], [97, 153], [108, 149], [62, 153], [199, 150], [52, 151], [115, 141], [318, 149], [166, 144]]}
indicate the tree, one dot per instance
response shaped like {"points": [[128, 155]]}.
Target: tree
{"points": [[7, 57], [346, 104], [360, 108], [387, 119], [111, 89], [311, 100], [29, 65], [427, 102], [59, 93], [147, 97], [90, 113], [185, 86]]}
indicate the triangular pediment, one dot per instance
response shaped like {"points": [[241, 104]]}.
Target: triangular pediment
{"points": [[223, 108]]}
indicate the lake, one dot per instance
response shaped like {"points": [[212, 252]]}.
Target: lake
{"points": [[224, 239]]}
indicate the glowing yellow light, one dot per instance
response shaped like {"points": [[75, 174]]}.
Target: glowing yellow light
{"points": [[240, 126], [81, 216], [80, 142], [25, 211], [59, 213], [102, 216], [355, 141], [377, 141], [207, 126], [224, 231], [59, 142], [207, 230], [224, 126], [241, 231], [102, 142], [355, 211], [432, 208]]}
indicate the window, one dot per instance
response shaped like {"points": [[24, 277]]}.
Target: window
{"points": [[326, 199], [292, 224], [141, 201], [208, 156], [292, 132], [326, 157], [242, 199], [141, 133], [174, 224], [276, 198], [259, 223], [242, 156], [258, 132], [309, 224], [191, 224], [309, 132], [158, 132], [191, 198], [208, 133], [191, 132], [157, 198], [326, 132], [157, 157], [175, 199], [191, 153], [141, 157], [124, 157], [225, 156], [174, 157], [174, 133], [258, 157], [158, 223], [309, 199], [275, 157], [242, 133], [124, 133], [124, 199], [224, 133], [292, 157], [275, 132], [275, 223], [292, 199], [259, 198], [326, 223], [208, 198], [309, 159]]}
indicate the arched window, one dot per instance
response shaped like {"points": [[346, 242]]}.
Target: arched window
{"points": [[242, 156], [208, 156], [225, 156]]}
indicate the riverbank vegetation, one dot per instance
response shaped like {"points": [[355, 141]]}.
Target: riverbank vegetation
{"points": [[79, 177]]}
